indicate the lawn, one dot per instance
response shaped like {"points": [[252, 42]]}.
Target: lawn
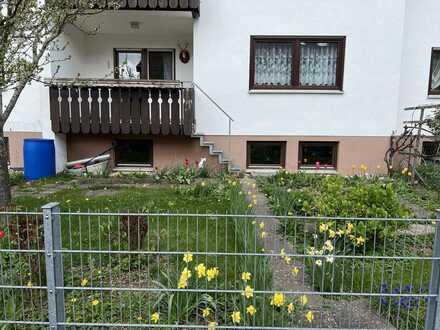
{"points": [[359, 196], [135, 254]]}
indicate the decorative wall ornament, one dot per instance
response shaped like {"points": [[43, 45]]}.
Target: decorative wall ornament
{"points": [[184, 55]]}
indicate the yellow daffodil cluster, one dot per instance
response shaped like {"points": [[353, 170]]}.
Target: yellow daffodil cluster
{"points": [[287, 259], [201, 270], [184, 278], [407, 172]]}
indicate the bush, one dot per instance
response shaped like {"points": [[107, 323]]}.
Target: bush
{"points": [[430, 174]]}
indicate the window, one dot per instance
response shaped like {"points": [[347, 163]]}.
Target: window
{"points": [[134, 152], [318, 155], [434, 76], [266, 154], [150, 64], [297, 63]]}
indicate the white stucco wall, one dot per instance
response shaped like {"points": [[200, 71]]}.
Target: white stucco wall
{"points": [[422, 33], [374, 31]]}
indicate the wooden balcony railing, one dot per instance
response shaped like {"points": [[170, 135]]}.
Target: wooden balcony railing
{"points": [[121, 107]]}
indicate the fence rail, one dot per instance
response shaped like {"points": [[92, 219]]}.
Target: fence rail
{"points": [[216, 271]]}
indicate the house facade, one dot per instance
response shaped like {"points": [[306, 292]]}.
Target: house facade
{"points": [[315, 85]]}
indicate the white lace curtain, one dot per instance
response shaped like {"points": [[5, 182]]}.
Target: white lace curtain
{"points": [[435, 81], [318, 64], [273, 64]]}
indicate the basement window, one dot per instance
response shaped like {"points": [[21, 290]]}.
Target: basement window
{"points": [[318, 155], [266, 154], [134, 153]]}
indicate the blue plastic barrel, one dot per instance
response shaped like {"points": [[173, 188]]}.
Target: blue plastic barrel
{"points": [[39, 158]]}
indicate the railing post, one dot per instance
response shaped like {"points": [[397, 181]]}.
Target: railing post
{"points": [[54, 264], [433, 308]]}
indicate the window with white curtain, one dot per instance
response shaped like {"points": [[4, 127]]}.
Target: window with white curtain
{"points": [[434, 79], [297, 62]]}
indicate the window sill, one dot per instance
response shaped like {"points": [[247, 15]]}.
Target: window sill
{"points": [[295, 91], [314, 171], [433, 96]]}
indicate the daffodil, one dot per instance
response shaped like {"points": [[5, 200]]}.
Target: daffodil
{"points": [[277, 300], [251, 310], [188, 257], [84, 282], [246, 276], [29, 284], [350, 227], [318, 263], [201, 270], [261, 225], [323, 227], [263, 234], [248, 292], [295, 271], [139, 318], [282, 253], [330, 259], [155, 317], [360, 240], [288, 260], [309, 316], [184, 277], [212, 325], [328, 246], [236, 317], [212, 273], [331, 233], [73, 300], [206, 312], [304, 300], [290, 308], [95, 302]]}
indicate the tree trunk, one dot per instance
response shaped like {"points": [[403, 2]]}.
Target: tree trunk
{"points": [[5, 188]]}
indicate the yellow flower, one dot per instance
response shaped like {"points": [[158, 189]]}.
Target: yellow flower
{"points": [[95, 302], [295, 271], [155, 317], [29, 284], [323, 227], [340, 232], [409, 173], [203, 183], [248, 292], [309, 316], [206, 312], [360, 240], [261, 225], [184, 277], [250, 206], [304, 300], [188, 257], [331, 233], [212, 273], [139, 318], [251, 310], [282, 252], [84, 282], [73, 300], [263, 234], [277, 300], [318, 263], [236, 317], [290, 308], [246, 276], [212, 325], [201, 270], [287, 260], [350, 227]]}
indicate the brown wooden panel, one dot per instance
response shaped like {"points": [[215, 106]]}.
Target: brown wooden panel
{"points": [[85, 111], [145, 112], [194, 4], [183, 4], [165, 112], [75, 119], [125, 110], [175, 112], [155, 116], [94, 115], [152, 4], [142, 3], [173, 3], [65, 111], [132, 3], [135, 111], [54, 109], [105, 111], [163, 4], [188, 112], [116, 106]]}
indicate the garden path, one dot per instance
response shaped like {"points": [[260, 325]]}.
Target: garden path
{"points": [[329, 313]]}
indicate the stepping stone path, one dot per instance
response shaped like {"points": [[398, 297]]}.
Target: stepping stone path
{"points": [[329, 313]]}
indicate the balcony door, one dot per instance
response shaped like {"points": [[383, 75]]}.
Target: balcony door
{"points": [[150, 64]]}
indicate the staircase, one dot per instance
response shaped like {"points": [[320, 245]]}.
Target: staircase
{"points": [[222, 159]]}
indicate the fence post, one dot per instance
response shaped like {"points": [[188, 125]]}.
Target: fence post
{"points": [[54, 264], [433, 308]]}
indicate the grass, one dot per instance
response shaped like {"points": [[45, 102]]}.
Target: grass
{"points": [[312, 195], [152, 267]]}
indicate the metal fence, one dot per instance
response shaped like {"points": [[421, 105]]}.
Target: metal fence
{"points": [[210, 271]]}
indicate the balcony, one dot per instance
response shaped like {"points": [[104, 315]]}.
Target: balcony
{"points": [[111, 106]]}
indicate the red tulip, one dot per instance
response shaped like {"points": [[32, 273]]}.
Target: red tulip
{"points": [[2, 233]]}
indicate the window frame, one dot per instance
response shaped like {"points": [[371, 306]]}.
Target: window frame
{"points": [[431, 68], [282, 164], [121, 142], [335, 150], [296, 61], [145, 60]]}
